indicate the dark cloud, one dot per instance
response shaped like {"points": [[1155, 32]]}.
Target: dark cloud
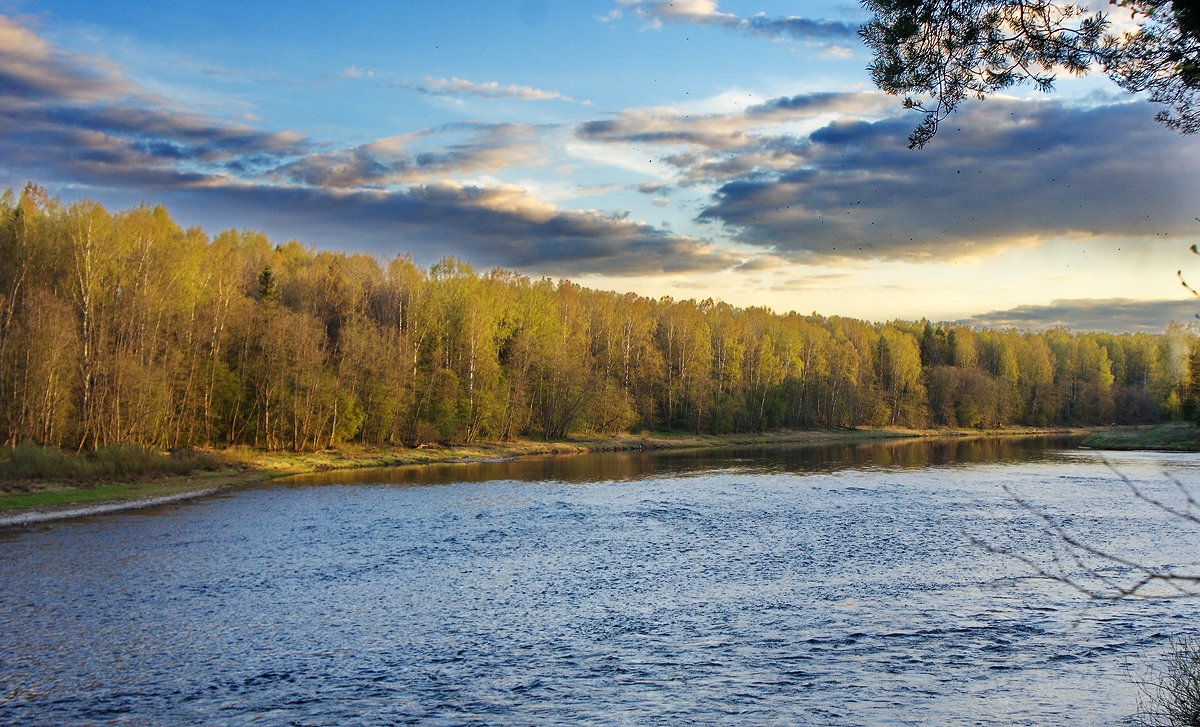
{"points": [[501, 226], [666, 127], [706, 12], [1007, 171], [801, 28], [806, 105], [653, 187], [1115, 315], [1003, 171]]}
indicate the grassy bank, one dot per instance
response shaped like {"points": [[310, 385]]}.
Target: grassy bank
{"points": [[1171, 437], [40, 478]]}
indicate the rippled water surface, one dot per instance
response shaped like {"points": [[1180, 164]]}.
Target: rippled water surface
{"points": [[772, 586]]}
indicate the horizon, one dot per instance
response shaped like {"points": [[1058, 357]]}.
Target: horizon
{"points": [[665, 150]]}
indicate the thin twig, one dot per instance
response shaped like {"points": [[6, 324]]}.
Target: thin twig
{"points": [[1182, 585]]}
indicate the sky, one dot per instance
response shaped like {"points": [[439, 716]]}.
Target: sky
{"points": [[733, 150]]}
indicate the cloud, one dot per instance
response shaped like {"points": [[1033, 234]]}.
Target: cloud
{"points": [[77, 118], [798, 28], [1114, 315], [356, 72], [725, 146], [824, 177], [489, 226], [824, 281], [488, 148], [685, 11], [79, 122], [706, 12], [31, 70], [1014, 172], [761, 264], [489, 89]]}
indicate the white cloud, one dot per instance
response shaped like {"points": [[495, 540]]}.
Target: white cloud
{"points": [[488, 89]]}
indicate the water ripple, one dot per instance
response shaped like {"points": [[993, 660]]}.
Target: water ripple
{"points": [[752, 591]]}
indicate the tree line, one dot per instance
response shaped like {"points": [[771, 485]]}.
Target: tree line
{"points": [[124, 327]]}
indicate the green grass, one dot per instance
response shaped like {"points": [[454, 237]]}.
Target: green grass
{"points": [[1171, 436], [37, 477], [51, 495]]}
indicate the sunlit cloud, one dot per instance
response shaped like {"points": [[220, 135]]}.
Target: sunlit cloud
{"points": [[487, 89], [398, 160], [33, 71], [685, 11]]}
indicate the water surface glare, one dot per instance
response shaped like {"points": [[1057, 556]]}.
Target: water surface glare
{"points": [[765, 586]]}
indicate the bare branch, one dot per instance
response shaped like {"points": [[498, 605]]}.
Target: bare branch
{"points": [[1184, 514], [1087, 577]]}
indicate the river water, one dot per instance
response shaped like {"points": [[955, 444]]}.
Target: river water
{"points": [[829, 586]]}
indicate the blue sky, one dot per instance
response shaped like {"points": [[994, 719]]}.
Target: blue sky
{"points": [[694, 149]]}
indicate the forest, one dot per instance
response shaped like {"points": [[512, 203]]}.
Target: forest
{"points": [[125, 328]]}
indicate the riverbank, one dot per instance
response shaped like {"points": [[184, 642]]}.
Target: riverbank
{"points": [[27, 502], [1166, 437]]}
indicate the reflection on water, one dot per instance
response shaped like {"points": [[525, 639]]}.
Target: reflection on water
{"points": [[795, 458], [753, 587]]}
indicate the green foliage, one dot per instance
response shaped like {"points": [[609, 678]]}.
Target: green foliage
{"points": [[938, 54], [946, 52], [122, 328]]}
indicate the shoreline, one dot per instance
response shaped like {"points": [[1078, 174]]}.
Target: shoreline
{"points": [[22, 518], [260, 466]]}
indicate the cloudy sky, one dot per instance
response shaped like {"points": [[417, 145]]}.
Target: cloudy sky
{"points": [[695, 149]]}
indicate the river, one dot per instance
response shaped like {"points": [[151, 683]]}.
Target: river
{"points": [[784, 585]]}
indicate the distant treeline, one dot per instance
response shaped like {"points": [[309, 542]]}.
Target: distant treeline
{"points": [[125, 328]]}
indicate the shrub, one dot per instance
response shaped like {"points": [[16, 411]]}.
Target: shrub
{"points": [[1170, 695], [33, 461], [185, 460], [29, 461], [118, 460]]}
